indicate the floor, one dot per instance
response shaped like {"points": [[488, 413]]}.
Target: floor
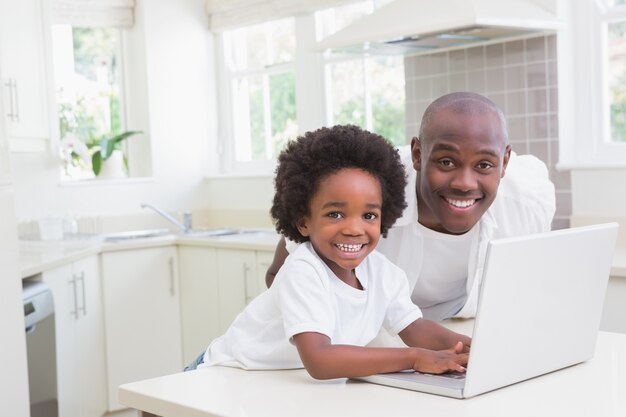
{"points": [[122, 413]]}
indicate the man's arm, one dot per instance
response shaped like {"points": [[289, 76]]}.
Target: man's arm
{"points": [[280, 254]]}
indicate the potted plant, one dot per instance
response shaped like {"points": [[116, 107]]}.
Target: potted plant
{"points": [[110, 149]]}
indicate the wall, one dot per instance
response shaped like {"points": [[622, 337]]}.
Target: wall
{"points": [[520, 77], [182, 128]]}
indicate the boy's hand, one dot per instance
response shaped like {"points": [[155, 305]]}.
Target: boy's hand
{"points": [[440, 361]]}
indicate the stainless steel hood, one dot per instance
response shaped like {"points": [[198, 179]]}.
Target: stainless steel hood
{"points": [[418, 26]]}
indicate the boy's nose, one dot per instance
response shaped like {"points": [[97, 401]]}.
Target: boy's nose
{"points": [[352, 227]]}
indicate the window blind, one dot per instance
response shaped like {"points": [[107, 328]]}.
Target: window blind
{"points": [[229, 14], [94, 13]]}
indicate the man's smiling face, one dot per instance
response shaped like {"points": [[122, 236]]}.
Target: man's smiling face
{"points": [[459, 160]]}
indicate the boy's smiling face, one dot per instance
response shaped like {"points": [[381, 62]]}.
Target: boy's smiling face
{"points": [[343, 223]]}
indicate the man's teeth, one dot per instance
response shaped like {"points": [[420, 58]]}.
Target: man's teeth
{"points": [[460, 203], [349, 248]]}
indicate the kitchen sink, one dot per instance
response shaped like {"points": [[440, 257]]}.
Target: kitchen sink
{"points": [[211, 232], [136, 234]]}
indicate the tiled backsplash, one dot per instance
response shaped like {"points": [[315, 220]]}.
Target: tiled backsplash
{"points": [[521, 77]]}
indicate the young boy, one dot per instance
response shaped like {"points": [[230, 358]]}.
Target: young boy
{"points": [[337, 190]]}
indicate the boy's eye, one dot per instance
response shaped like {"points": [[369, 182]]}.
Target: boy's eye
{"points": [[334, 215], [370, 216]]}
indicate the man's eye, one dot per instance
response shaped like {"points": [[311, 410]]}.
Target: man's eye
{"points": [[446, 162], [485, 166], [370, 216]]}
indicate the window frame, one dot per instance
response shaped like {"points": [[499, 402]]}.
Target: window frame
{"points": [[584, 97]]}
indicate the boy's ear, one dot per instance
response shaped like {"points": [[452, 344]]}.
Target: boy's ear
{"points": [[302, 227]]}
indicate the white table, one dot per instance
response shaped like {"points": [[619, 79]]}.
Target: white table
{"points": [[594, 388]]}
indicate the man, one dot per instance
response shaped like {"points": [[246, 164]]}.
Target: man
{"points": [[458, 199]]}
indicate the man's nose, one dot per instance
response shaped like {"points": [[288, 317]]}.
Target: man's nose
{"points": [[464, 180]]}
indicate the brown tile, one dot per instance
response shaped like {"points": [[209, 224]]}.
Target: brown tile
{"points": [[495, 79], [420, 108], [440, 85], [554, 100], [536, 75], [457, 61], [538, 101], [421, 67], [559, 223], [536, 49], [499, 99], [520, 148], [562, 179], [423, 89], [515, 103], [514, 52], [494, 55], [458, 81], [438, 63], [517, 128], [563, 203], [409, 68], [553, 126], [476, 58], [515, 78], [553, 76], [411, 112], [551, 48], [540, 150], [476, 81], [538, 126]]}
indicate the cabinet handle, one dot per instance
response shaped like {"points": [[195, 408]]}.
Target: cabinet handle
{"points": [[75, 312], [16, 112], [10, 85], [248, 297], [172, 289], [82, 280]]}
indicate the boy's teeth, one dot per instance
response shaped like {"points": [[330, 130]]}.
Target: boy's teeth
{"points": [[460, 203], [349, 248]]}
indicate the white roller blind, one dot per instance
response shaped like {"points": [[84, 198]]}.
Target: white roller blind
{"points": [[228, 14], [94, 13]]}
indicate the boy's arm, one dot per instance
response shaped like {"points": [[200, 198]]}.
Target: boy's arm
{"points": [[280, 254], [428, 334], [323, 360]]}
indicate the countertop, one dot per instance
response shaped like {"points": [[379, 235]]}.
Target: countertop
{"points": [[593, 388], [37, 256]]}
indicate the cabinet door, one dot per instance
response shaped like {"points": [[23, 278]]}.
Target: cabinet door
{"points": [[23, 70], [263, 262], [142, 316], [79, 338], [199, 299], [237, 277]]}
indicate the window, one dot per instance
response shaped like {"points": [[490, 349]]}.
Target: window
{"points": [[88, 83], [592, 85], [259, 63], [274, 87]]}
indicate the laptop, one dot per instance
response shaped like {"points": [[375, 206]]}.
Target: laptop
{"points": [[540, 302]]}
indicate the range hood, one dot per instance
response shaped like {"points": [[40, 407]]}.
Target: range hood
{"points": [[418, 26]]}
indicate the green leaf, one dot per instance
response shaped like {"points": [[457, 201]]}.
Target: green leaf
{"points": [[96, 162]]}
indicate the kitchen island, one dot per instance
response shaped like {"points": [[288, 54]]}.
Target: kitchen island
{"points": [[593, 388]]}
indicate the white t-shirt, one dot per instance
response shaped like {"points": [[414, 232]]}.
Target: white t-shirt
{"points": [[307, 297], [442, 282]]}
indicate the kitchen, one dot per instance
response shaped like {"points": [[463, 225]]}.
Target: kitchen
{"points": [[181, 167]]}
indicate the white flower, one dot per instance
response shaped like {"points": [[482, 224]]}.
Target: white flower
{"points": [[71, 143]]}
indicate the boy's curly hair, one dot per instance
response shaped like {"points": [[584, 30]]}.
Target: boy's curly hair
{"points": [[318, 154]]}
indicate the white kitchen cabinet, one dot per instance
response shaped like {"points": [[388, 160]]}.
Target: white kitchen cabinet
{"points": [[216, 284], [24, 83], [79, 327], [199, 299], [142, 315]]}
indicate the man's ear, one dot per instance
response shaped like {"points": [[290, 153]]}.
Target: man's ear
{"points": [[505, 160], [416, 153], [303, 227]]}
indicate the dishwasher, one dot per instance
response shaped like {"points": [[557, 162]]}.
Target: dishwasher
{"points": [[41, 348]]}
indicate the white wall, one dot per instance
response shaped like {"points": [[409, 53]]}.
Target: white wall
{"points": [[180, 88]]}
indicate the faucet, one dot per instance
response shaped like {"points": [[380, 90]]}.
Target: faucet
{"points": [[185, 226]]}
